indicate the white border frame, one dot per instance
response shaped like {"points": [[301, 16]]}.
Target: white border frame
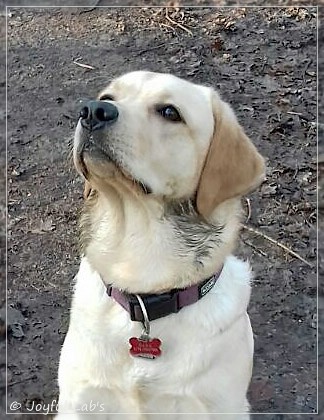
{"points": [[317, 170]]}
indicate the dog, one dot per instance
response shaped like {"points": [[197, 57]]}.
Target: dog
{"points": [[159, 320]]}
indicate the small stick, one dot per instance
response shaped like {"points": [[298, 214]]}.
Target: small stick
{"points": [[294, 113], [176, 23], [69, 117], [85, 66], [248, 203], [168, 26], [36, 288], [22, 380], [255, 248], [158, 12], [284, 247]]}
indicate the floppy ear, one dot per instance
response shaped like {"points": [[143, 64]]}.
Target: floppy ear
{"points": [[233, 166], [86, 190]]}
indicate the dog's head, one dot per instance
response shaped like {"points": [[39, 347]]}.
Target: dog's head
{"points": [[166, 137]]}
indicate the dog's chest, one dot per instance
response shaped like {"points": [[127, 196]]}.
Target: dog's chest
{"points": [[103, 333], [190, 339], [191, 365], [204, 346], [107, 349]]}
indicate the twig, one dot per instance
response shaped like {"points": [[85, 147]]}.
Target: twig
{"points": [[21, 381], [294, 113], [69, 117], [168, 26], [284, 247], [85, 66], [248, 203], [259, 251], [176, 23], [158, 12], [36, 288]]}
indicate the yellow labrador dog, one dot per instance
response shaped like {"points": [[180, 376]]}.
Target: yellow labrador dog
{"points": [[158, 320]]}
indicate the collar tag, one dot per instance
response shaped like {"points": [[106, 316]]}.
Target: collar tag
{"points": [[148, 348], [205, 288], [144, 346]]}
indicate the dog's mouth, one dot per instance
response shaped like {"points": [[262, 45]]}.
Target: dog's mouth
{"points": [[96, 151]]}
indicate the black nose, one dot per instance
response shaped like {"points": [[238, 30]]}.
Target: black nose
{"points": [[96, 114]]}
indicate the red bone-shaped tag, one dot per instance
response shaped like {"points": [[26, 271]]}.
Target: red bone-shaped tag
{"points": [[147, 348]]}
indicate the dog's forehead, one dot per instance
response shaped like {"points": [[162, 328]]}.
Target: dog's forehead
{"points": [[162, 85]]}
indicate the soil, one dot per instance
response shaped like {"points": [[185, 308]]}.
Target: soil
{"points": [[263, 62]]}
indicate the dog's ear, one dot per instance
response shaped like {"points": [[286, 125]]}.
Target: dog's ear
{"points": [[86, 190], [233, 166]]}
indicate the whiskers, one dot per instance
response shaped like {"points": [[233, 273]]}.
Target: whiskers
{"points": [[69, 162]]}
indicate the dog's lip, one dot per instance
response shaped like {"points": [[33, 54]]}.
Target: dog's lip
{"points": [[125, 173], [80, 153], [83, 167]]}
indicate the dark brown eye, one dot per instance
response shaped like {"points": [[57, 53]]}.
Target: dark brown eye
{"points": [[169, 112], [106, 97]]}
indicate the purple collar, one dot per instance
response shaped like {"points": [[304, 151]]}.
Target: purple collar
{"points": [[158, 306]]}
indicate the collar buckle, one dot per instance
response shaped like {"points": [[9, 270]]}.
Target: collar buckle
{"points": [[157, 306]]}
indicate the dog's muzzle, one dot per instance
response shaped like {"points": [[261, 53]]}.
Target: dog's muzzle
{"points": [[95, 115]]}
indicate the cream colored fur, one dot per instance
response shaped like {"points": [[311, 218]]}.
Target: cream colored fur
{"points": [[207, 348]]}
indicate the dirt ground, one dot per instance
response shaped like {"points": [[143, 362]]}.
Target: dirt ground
{"points": [[263, 61]]}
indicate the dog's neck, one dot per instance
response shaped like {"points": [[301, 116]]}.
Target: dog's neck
{"points": [[147, 245]]}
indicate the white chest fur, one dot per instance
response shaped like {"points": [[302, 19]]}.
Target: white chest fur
{"points": [[206, 356]]}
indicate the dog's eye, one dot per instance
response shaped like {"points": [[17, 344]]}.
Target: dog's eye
{"points": [[169, 112], [106, 97]]}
